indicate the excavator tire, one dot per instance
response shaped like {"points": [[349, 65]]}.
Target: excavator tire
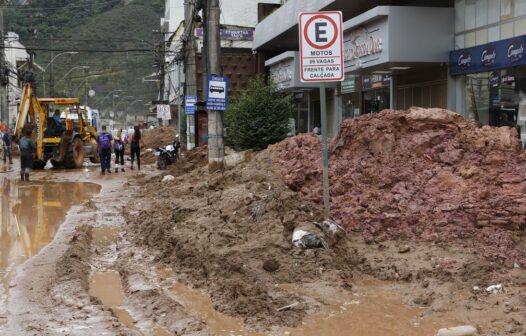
{"points": [[75, 155], [95, 158], [39, 165]]}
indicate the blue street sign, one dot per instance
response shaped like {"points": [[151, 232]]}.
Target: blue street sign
{"points": [[217, 93], [189, 105]]}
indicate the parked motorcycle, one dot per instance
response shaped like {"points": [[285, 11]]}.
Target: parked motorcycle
{"points": [[167, 155]]}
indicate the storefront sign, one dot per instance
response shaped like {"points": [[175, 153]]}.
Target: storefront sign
{"points": [[321, 47], [282, 73], [361, 44], [492, 56], [494, 79], [364, 46], [375, 82], [230, 34], [349, 84]]}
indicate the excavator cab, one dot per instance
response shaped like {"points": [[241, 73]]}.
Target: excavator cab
{"points": [[60, 130]]}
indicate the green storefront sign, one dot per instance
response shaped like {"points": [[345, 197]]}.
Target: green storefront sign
{"points": [[349, 85]]}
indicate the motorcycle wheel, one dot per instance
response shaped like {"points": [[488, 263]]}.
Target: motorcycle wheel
{"points": [[161, 163]]}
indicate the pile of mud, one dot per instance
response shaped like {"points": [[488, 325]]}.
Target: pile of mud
{"points": [[153, 138], [427, 174], [231, 235]]}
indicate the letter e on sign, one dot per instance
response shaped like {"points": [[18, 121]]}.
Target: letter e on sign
{"points": [[321, 47]]}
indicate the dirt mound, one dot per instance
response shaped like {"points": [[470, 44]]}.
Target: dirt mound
{"points": [[422, 173], [153, 138], [225, 233]]}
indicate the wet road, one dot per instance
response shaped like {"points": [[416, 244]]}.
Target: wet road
{"points": [[30, 214]]}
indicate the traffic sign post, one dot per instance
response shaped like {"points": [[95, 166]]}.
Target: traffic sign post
{"points": [[321, 60], [217, 93], [189, 105]]}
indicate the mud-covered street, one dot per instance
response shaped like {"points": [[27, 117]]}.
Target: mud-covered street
{"points": [[201, 253]]}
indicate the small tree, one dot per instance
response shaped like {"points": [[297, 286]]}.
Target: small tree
{"points": [[259, 117]]}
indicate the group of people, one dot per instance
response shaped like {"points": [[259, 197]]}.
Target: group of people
{"points": [[107, 142]]}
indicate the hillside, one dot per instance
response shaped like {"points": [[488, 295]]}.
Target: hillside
{"points": [[97, 29]]}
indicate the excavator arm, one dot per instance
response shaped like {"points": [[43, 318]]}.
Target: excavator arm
{"points": [[25, 102]]}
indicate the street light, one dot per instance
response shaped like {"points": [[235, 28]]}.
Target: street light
{"points": [[123, 98], [51, 83], [106, 97], [69, 74]]}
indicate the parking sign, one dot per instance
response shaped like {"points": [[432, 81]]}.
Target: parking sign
{"points": [[217, 93], [321, 47]]}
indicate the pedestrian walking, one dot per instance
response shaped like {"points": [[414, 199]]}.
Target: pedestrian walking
{"points": [[7, 140], [27, 151], [135, 147], [104, 140], [118, 148]]}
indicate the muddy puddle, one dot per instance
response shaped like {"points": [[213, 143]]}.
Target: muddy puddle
{"points": [[373, 309], [30, 215], [104, 236], [107, 287]]}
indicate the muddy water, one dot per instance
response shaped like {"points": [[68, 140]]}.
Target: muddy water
{"points": [[107, 287], [373, 309], [104, 236], [30, 214]]}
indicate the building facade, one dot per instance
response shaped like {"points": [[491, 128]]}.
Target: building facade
{"points": [[15, 56], [488, 63]]}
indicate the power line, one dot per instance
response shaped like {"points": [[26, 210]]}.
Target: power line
{"points": [[30, 8], [82, 50]]}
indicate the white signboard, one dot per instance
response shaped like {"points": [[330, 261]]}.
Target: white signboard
{"points": [[321, 47], [163, 112]]}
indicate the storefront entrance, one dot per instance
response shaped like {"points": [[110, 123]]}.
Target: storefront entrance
{"points": [[376, 93], [497, 98]]}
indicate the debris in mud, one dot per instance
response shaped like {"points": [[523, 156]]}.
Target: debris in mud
{"points": [[153, 138], [231, 234], [458, 331], [423, 173]]}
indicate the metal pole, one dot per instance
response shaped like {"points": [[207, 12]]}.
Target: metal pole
{"points": [[325, 154]]}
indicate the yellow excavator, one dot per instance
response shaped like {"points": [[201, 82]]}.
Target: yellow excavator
{"points": [[61, 130]]}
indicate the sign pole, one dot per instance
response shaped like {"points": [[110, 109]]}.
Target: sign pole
{"points": [[321, 60], [325, 152]]}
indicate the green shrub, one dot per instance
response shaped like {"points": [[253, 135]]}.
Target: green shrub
{"points": [[259, 117]]}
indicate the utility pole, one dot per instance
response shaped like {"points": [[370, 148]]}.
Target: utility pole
{"points": [[86, 71], [216, 146], [190, 68], [4, 78], [51, 79]]}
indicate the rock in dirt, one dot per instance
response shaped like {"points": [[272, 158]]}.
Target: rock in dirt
{"points": [[404, 249], [466, 330], [427, 174], [271, 265], [168, 178]]}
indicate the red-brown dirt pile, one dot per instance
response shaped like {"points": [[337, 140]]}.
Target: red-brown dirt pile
{"points": [[423, 173]]}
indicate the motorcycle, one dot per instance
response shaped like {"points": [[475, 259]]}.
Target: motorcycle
{"points": [[167, 155]]}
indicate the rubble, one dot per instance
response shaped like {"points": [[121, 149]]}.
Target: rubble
{"points": [[427, 174], [231, 233], [153, 138]]}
